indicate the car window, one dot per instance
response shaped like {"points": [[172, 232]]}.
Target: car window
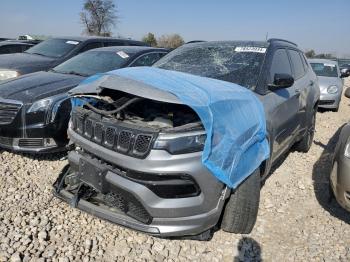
{"points": [[90, 46], [92, 62], [304, 61], [325, 69], [10, 49], [280, 64], [297, 64], [146, 60], [54, 47]]}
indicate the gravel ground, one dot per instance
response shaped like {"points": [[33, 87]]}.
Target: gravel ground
{"points": [[296, 222]]}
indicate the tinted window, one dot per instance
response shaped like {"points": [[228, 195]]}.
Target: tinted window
{"points": [[230, 62], [146, 60], [90, 46], [54, 47], [297, 64], [90, 63], [325, 69], [10, 49], [280, 63]]}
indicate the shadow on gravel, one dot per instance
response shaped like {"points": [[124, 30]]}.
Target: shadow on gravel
{"points": [[248, 250], [320, 176], [44, 157]]}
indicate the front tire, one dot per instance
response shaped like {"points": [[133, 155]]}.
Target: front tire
{"points": [[242, 207]]}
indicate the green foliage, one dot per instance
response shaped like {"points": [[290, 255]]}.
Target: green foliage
{"points": [[150, 39]]}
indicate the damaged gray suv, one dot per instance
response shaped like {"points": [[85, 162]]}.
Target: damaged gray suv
{"points": [[137, 157]]}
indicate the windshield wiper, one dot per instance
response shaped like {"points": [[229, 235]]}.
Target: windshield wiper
{"points": [[35, 54], [75, 73]]}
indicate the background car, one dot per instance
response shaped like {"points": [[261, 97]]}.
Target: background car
{"points": [[152, 151], [16, 46], [340, 175], [330, 82], [53, 52], [344, 66], [34, 109]]}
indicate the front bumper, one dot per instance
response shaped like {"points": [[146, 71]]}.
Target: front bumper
{"points": [[330, 101], [170, 216], [340, 181]]}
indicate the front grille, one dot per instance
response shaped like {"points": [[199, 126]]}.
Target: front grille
{"points": [[31, 142], [114, 136], [326, 102], [8, 112], [6, 141]]}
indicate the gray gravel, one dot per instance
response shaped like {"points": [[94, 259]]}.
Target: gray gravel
{"points": [[296, 220]]}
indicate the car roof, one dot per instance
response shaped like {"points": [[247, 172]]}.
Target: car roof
{"points": [[86, 38], [128, 49], [222, 43], [319, 60], [3, 43]]}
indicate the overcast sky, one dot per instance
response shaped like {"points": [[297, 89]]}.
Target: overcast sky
{"points": [[321, 25]]}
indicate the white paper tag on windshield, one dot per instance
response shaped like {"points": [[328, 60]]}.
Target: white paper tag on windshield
{"points": [[331, 65], [72, 42], [122, 54], [252, 49]]}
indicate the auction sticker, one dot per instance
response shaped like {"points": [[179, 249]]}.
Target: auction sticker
{"points": [[122, 54], [72, 42], [252, 49]]}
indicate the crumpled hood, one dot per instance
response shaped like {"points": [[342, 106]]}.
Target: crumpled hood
{"points": [[325, 82], [26, 63], [31, 87], [233, 116]]}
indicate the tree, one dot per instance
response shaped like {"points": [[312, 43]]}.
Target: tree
{"points": [[310, 53], [170, 41], [99, 17], [150, 39]]}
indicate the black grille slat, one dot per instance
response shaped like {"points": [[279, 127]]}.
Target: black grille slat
{"points": [[89, 128], [124, 141], [8, 112], [31, 142], [110, 136], [142, 143], [98, 132]]}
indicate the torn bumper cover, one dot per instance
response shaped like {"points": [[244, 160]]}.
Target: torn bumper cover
{"points": [[233, 116]]}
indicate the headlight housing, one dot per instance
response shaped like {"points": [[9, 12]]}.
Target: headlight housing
{"points": [[332, 89], [181, 144], [41, 105], [7, 74]]}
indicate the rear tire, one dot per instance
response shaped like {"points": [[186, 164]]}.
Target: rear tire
{"points": [[242, 207], [306, 142]]}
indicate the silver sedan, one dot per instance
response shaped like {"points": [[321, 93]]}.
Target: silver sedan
{"points": [[340, 175], [330, 82]]}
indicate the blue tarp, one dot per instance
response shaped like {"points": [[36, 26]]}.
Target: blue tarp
{"points": [[233, 118]]}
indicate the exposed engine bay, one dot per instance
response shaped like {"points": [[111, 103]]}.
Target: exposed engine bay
{"points": [[140, 111]]}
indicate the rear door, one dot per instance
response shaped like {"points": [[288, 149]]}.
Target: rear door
{"points": [[302, 84], [284, 118]]}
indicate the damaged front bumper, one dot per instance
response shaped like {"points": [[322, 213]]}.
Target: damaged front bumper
{"points": [[134, 204]]}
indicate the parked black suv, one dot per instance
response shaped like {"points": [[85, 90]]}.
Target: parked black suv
{"points": [[53, 52], [138, 155], [35, 109]]}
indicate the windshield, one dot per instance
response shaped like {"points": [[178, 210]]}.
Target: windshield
{"points": [[90, 63], [224, 61], [344, 62], [53, 47], [324, 69]]}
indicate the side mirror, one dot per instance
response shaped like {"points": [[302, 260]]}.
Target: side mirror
{"points": [[282, 81], [347, 92]]}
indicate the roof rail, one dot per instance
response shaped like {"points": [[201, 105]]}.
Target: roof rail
{"points": [[283, 40]]}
